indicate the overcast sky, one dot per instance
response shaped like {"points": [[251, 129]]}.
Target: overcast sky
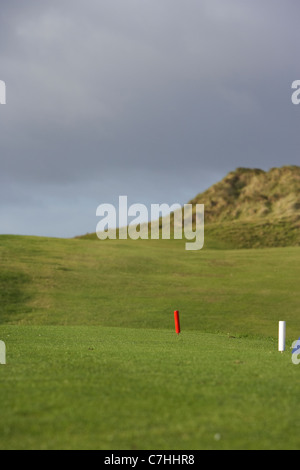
{"points": [[153, 99]]}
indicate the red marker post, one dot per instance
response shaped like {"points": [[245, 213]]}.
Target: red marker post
{"points": [[177, 322]]}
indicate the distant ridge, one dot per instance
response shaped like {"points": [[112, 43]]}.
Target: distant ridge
{"points": [[251, 208]]}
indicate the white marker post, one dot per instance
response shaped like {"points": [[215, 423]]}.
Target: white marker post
{"points": [[281, 336], [2, 353]]}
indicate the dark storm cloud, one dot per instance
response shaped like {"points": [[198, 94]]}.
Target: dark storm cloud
{"points": [[153, 99]]}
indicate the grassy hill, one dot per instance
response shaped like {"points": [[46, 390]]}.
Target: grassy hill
{"points": [[253, 194], [250, 208]]}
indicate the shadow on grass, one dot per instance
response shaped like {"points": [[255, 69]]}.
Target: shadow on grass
{"points": [[13, 294]]}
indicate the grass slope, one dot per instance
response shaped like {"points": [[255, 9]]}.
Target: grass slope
{"points": [[139, 284], [93, 360]]}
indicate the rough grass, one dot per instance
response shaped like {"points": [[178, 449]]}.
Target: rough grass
{"points": [[252, 194], [257, 234]]}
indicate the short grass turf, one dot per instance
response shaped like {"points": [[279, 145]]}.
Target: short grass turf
{"points": [[93, 361], [119, 388]]}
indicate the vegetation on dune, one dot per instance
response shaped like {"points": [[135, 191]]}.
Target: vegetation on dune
{"points": [[250, 208], [253, 194]]}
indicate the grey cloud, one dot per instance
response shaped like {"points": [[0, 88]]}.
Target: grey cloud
{"points": [[154, 99]]}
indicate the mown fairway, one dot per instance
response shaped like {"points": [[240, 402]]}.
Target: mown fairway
{"points": [[119, 388], [94, 362]]}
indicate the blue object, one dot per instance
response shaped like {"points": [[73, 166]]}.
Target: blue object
{"points": [[297, 348]]}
